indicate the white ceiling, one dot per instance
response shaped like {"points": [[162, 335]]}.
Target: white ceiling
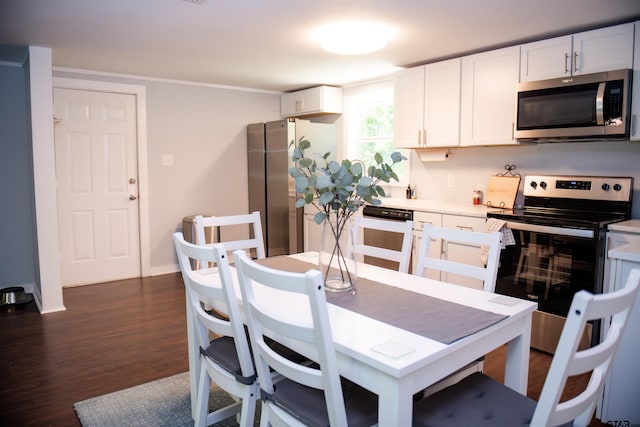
{"points": [[266, 44]]}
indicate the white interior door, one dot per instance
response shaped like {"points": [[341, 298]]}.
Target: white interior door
{"points": [[96, 171]]}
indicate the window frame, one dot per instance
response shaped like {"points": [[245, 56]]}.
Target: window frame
{"points": [[368, 94]]}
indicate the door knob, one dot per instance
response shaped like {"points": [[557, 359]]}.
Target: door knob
{"points": [[132, 180], [132, 197]]}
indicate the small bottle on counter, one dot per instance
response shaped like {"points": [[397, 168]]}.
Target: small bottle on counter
{"points": [[409, 191], [477, 197], [413, 192]]}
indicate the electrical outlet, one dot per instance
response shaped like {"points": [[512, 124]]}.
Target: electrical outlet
{"points": [[167, 160], [451, 181]]}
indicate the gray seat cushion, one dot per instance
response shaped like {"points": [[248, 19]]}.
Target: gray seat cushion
{"points": [[223, 351], [309, 406], [477, 401]]}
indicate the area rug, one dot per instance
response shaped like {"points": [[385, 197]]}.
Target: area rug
{"points": [[161, 403]]}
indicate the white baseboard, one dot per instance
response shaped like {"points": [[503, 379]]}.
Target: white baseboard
{"points": [[165, 269]]}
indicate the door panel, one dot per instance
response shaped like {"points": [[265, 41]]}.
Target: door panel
{"points": [[96, 171]]}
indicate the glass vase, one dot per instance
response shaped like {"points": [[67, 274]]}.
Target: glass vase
{"points": [[337, 260]]}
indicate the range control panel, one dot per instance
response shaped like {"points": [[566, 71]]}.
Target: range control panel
{"points": [[605, 188]]}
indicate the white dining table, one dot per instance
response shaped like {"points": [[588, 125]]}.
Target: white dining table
{"points": [[393, 362]]}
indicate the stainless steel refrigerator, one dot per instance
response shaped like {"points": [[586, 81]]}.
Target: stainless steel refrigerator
{"points": [[271, 190]]}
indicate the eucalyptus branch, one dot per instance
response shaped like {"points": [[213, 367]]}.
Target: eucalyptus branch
{"points": [[341, 188]]}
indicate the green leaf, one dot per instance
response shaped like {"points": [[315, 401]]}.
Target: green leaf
{"points": [[319, 217], [323, 181], [302, 182], [378, 158], [308, 197], [300, 203], [326, 197], [396, 157], [303, 144], [333, 166], [305, 162], [356, 168]]}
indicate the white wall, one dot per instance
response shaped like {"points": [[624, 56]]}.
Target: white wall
{"points": [[472, 167], [204, 128]]}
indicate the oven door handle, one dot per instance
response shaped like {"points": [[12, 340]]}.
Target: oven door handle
{"points": [[559, 231]]}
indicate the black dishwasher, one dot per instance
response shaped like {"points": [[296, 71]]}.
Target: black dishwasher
{"points": [[384, 239]]}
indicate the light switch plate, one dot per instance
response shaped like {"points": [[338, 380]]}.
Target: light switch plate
{"points": [[167, 160]]}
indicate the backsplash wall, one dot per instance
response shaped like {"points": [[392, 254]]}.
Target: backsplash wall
{"points": [[472, 166]]}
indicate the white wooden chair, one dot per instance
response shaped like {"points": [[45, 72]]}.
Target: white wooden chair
{"points": [[308, 394], [486, 273], [253, 220], [402, 257], [479, 400], [226, 360]]}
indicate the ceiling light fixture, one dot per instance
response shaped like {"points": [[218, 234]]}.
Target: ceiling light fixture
{"points": [[353, 37]]}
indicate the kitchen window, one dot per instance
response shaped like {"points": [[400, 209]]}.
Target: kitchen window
{"points": [[369, 127]]}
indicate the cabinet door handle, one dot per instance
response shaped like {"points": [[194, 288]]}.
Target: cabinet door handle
{"points": [[464, 227], [633, 125], [566, 63], [419, 138], [575, 61]]}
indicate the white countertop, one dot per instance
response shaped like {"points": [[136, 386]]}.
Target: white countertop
{"points": [[629, 226], [627, 252], [437, 206]]}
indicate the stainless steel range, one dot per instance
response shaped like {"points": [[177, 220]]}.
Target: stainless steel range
{"points": [[560, 246]]}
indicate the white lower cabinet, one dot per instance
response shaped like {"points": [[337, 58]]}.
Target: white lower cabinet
{"points": [[620, 400], [419, 220], [452, 251]]}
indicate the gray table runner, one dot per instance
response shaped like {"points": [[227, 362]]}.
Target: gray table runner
{"points": [[430, 317]]}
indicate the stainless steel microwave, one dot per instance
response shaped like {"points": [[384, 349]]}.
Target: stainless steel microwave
{"points": [[585, 107]]}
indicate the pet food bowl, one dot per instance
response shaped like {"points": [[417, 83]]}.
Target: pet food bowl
{"points": [[14, 295]]}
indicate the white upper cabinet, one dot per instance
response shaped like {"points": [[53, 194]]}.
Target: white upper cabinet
{"points": [[635, 94], [314, 101], [442, 104], [488, 94], [545, 59], [427, 106], [592, 51], [408, 108]]}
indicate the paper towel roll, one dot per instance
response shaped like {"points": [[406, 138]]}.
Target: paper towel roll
{"points": [[431, 155]]}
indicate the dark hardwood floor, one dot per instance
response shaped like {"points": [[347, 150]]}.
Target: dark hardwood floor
{"points": [[113, 336]]}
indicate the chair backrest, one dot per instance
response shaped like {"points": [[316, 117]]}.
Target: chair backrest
{"points": [[613, 307], [307, 323], [402, 228], [486, 273], [252, 219], [223, 297]]}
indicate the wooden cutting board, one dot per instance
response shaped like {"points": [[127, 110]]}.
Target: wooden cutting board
{"points": [[502, 191]]}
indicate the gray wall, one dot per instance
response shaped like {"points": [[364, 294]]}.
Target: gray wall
{"points": [[17, 211], [204, 128]]}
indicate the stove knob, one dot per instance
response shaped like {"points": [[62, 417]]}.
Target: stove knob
{"points": [[617, 187], [543, 185], [534, 184], [606, 187]]}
